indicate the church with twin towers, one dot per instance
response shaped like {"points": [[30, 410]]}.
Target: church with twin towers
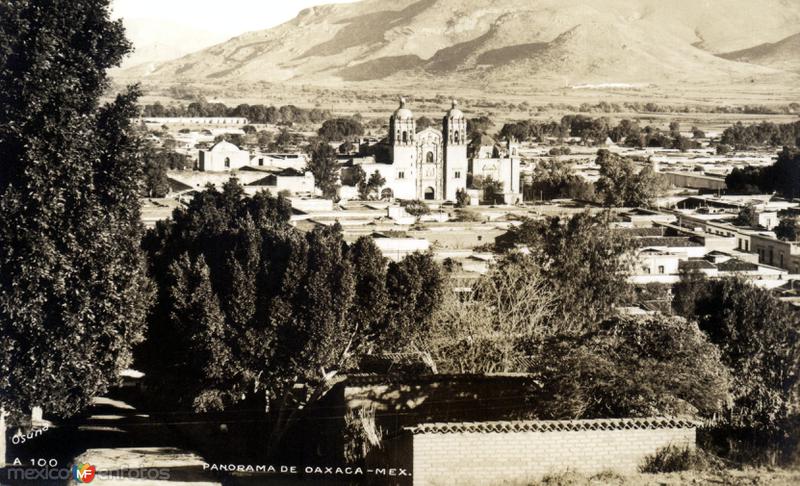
{"points": [[431, 164]]}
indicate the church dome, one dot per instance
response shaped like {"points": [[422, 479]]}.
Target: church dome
{"points": [[403, 113], [454, 112], [224, 146]]}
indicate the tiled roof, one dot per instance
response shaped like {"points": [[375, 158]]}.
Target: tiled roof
{"points": [[552, 425], [695, 264], [669, 241], [736, 265], [641, 232]]}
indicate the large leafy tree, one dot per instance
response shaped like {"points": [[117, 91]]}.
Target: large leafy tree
{"points": [[553, 179], [582, 259], [325, 167], [72, 287], [747, 216], [630, 367], [759, 337], [416, 288], [788, 229], [273, 315], [622, 185], [484, 326]]}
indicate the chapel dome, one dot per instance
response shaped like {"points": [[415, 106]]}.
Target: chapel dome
{"points": [[224, 146]]}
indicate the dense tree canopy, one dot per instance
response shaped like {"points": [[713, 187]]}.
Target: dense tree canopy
{"points": [[788, 229], [553, 179], [764, 133], [747, 216], [478, 125], [759, 337], [630, 367], [72, 287], [339, 129], [156, 164], [783, 176], [241, 290], [622, 185], [584, 262]]}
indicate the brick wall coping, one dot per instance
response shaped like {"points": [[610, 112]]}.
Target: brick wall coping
{"points": [[552, 425]]}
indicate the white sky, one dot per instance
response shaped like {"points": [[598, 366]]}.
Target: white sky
{"points": [[225, 17]]}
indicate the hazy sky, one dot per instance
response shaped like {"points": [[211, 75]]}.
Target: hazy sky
{"points": [[224, 17]]}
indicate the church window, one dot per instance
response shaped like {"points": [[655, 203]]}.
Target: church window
{"points": [[405, 137], [456, 137], [429, 157], [227, 162], [457, 175], [401, 175]]}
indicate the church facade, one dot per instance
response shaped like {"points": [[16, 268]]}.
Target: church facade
{"points": [[431, 164]]}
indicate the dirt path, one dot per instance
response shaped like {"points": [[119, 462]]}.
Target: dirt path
{"points": [[124, 445]]}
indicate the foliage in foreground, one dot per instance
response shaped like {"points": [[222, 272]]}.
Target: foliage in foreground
{"points": [[759, 338], [73, 293], [250, 308], [675, 458], [630, 367]]}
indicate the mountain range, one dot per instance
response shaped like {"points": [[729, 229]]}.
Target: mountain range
{"points": [[507, 41]]}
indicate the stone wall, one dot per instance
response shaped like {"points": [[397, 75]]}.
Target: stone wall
{"points": [[510, 452]]}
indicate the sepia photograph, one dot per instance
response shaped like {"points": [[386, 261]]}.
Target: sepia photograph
{"points": [[399, 242]]}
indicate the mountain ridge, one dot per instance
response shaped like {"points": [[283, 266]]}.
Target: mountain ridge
{"points": [[495, 41]]}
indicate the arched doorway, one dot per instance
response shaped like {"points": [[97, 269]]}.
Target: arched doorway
{"points": [[430, 194], [387, 194]]}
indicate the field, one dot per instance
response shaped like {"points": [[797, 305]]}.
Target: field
{"points": [[691, 105]]}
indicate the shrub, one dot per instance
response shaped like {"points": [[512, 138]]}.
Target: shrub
{"points": [[462, 198], [674, 459], [417, 208]]}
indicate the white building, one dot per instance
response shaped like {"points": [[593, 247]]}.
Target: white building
{"points": [[223, 157], [505, 169], [431, 164]]}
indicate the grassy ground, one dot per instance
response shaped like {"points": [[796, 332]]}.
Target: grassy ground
{"points": [[747, 477]]}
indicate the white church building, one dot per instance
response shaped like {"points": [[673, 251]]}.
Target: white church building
{"points": [[428, 165], [433, 164]]}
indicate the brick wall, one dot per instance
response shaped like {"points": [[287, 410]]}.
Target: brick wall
{"points": [[497, 452]]}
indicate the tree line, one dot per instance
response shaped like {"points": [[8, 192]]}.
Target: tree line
{"points": [[597, 130], [258, 113], [621, 182], [764, 133], [782, 177]]}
